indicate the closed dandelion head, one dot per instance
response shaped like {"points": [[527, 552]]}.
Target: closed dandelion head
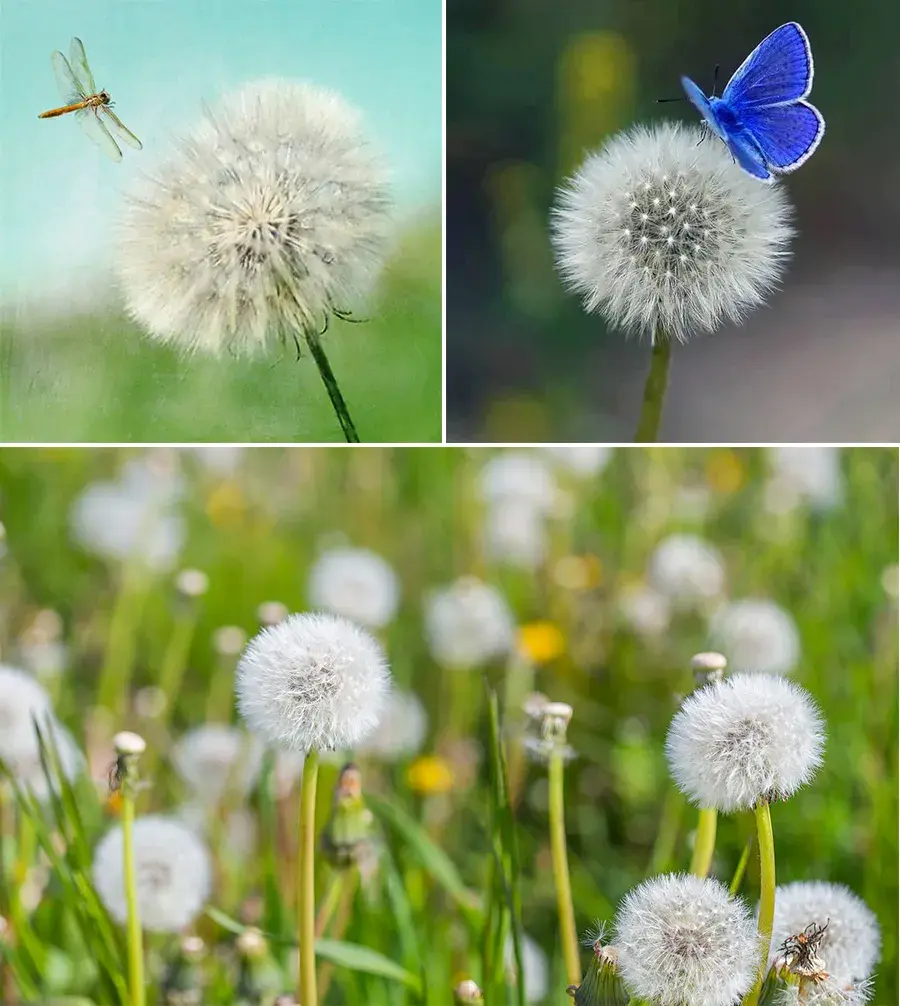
{"points": [[173, 873], [666, 237], [851, 943], [687, 570], [467, 624], [312, 682], [682, 939], [750, 737], [757, 635], [215, 759], [272, 214], [355, 583]]}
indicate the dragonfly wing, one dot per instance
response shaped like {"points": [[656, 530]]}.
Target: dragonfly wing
{"points": [[117, 128], [68, 85], [97, 131], [78, 62]]}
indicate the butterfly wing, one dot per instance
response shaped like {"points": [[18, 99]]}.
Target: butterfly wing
{"points": [[787, 134], [703, 105], [778, 71], [749, 157]]}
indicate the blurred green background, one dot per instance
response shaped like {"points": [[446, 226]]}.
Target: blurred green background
{"points": [[256, 520], [531, 88], [71, 367]]}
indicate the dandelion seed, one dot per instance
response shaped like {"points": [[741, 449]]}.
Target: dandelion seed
{"points": [[273, 212], [468, 624], [215, 759], [687, 570], [665, 237], [750, 737], [357, 584], [682, 939], [312, 682], [757, 635], [173, 873], [851, 943]]}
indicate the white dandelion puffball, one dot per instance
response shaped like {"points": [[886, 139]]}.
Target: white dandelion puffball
{"points": [[825, 992], [124, 521], [804, 474], [582, 460], [515, 533], [851, 943], [687, 570], [173, 873], [756, 635], [519, 476], [666, 237], [215, 759], [357, 584], [747, 738], [238, 833], [645, 610], [400, 731], [685, 940], [468, 624], [312, 682], [273, 212], [22, 700], [25, 760], [534, 965]]}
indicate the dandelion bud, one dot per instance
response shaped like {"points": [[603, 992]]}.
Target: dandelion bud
{"points": [[348, 835], [601, 983], [554, 723], [664, 236], [708, 667], [468, 992], [129, 744], [312, 682], [682, 939], [252, 943], [748, 738]]}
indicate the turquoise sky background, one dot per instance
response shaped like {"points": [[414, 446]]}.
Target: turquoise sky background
{"points": [[160, 60]]}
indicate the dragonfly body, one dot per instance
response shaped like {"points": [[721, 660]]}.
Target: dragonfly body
{"points": [[91, 107]]}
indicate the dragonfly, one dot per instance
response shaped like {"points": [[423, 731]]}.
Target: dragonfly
{"points": [[92, 108]]}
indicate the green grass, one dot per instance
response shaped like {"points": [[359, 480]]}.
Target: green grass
{"points": [[97, 378], [460, 870]]}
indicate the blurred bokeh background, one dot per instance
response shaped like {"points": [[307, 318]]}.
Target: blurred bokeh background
{"points": [[590, 574], [72, 367], [531, 87]]}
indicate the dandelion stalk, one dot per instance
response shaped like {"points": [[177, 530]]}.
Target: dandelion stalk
{"points": [[122, 638], [766, 842], [561, 878], [306, 893], [129, 748], [655, 391], [314, 342], [705, 842]]}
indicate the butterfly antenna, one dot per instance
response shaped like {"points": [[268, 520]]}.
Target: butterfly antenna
{"points": [[661, 101], [715, 80]]}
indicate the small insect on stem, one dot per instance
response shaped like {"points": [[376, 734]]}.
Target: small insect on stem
{"points": [[116, 774]]}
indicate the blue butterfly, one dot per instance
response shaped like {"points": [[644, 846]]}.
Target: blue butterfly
{"points": [[762, 115]]}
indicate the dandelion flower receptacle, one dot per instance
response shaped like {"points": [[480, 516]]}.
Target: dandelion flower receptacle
{"points": [[668, 238], [271, 218], [682, 939]]}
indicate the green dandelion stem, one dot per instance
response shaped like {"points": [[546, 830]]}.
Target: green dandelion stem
{"points": [[562, 882], [766, 842], [704, 843], [121, 644], [655, 390], [306, 893], [331, 386], [133, 921]]}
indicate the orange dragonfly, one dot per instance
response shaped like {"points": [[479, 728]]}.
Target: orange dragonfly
{"points": [[92, 108]]}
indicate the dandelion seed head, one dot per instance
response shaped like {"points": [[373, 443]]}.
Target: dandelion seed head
{"points": [[756, 634], [313, 682], [534, 964], [687, 570], [665, 237], [804, 474], [468, 623], [515, 534], [273, 212], [173, 873], [645, 610], [357, 584], [30, 772], [519, 476], [851, 943], [215, 759], [401, 729], [682, 939], [582, 460], [828, 992], [22, 700], [749, 737]]}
